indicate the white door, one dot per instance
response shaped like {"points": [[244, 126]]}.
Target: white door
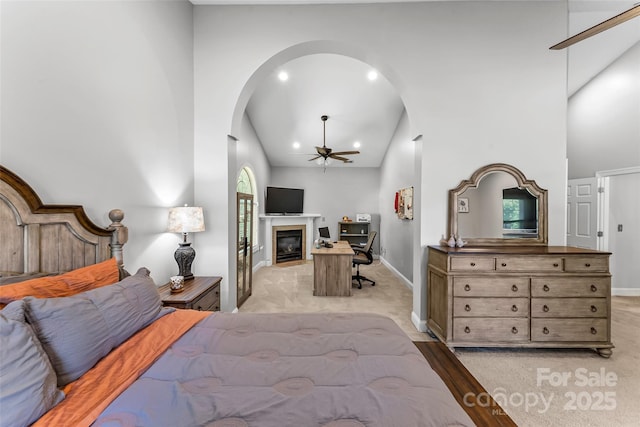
{"points": [[582, 208]]}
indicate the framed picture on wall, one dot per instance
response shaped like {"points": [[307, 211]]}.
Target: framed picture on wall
{"points": [[463, 205]]}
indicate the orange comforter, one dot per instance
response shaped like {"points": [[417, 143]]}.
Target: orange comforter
{"points": [[88, 396]]}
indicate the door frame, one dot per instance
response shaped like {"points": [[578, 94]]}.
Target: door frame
{"points": [[603, 201], [248, 250]]}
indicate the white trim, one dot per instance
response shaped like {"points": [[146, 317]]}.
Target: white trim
{"points": [[399, 275], [621, 171], [625, 292], [421, 325], [602, 216], [258, 266]]}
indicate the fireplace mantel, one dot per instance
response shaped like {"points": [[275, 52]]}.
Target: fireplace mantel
{"points": [[271, 221]]}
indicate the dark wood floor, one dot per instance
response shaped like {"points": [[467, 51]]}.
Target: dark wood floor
{"points": [[483, 411]]}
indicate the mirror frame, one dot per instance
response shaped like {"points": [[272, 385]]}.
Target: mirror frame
{"points": [[523, 182]]}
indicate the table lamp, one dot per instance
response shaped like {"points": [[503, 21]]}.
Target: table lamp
{"points": [[185, 219]]}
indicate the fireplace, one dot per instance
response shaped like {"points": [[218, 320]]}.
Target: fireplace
{"points": [[289, 244], [272, 223]]}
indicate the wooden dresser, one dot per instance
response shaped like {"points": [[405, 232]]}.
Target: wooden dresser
{"points": [[524, 296]]}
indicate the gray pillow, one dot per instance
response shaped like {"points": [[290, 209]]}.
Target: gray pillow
{"points": [[28, 386], [78, 331]]}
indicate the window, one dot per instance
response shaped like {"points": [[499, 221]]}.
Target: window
{"points": [[247, 184]]}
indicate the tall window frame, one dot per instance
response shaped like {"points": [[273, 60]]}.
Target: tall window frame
{"points": [[246, 183]]}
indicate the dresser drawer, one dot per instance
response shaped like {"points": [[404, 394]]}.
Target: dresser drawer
{"points": [[490, 286], [569, 330], [569, 307], [491, 307], [473, 263], [209, 301], [586, 264], [570, 286], [490, 330], [529, 263]]}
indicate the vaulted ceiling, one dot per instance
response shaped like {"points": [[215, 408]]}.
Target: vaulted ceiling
{"points": [[367, 111]]}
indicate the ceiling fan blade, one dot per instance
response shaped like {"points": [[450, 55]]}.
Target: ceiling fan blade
{"points": [[344, 159], [605, 25], [346, 152], [314, 158]]}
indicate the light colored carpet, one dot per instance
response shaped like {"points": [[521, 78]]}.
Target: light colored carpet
{"points": [[596, 392], [510, 376], [290, 289]]}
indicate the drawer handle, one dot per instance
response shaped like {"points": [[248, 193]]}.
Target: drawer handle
{"points": [[586, 264], [467, 330], [467, 307], [545, 330], [594, 331], [504, 264], [594, 308], [545, 308], [467, 288], [545, 288], [594, 288], [514, 330], [555, 264], [473, 264], [514, 308], [514, 288]]}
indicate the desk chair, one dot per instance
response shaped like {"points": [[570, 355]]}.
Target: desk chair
{"points": [[363, 255]]}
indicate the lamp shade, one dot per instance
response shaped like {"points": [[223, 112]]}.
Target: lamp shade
{"points": [[185, 219]]}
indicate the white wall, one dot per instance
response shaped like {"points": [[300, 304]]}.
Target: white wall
{"points": [[334, 193], [604, 119], [97, 110], [397, 172], [624, 205], [477, 79], [249, 153]]}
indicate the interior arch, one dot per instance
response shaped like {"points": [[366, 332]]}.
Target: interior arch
{"points": [[367, 56]]}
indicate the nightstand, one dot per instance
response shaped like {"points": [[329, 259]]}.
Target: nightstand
{"points": [[200, 293]]}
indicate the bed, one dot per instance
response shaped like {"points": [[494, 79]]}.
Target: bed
{"points": [[90, 345]]}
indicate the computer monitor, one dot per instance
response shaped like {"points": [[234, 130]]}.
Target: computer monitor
{"points": [[324, 233]]}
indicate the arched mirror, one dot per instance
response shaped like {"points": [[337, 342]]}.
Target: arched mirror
{"points": [[498, 205]]}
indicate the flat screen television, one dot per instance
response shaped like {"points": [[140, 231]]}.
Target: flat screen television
{"points": [[284, 201], [519, 211]]}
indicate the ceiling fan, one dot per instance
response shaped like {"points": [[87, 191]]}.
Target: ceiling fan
{"points": [[605, 25], [326, 153]]}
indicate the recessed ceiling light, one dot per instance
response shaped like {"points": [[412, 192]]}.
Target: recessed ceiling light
{"points": [[356, 144], [296, 145], [372, 75], [283, 76]]}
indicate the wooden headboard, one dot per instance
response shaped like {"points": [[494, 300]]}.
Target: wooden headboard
{"points": [[38, 239]]}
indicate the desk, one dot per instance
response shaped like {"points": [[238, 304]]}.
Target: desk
{"points": [[332, 270]]}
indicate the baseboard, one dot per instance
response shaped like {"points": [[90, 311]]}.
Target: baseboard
{"points": [[421, 325], [625, 292], [399, 275], [258, 266]]}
